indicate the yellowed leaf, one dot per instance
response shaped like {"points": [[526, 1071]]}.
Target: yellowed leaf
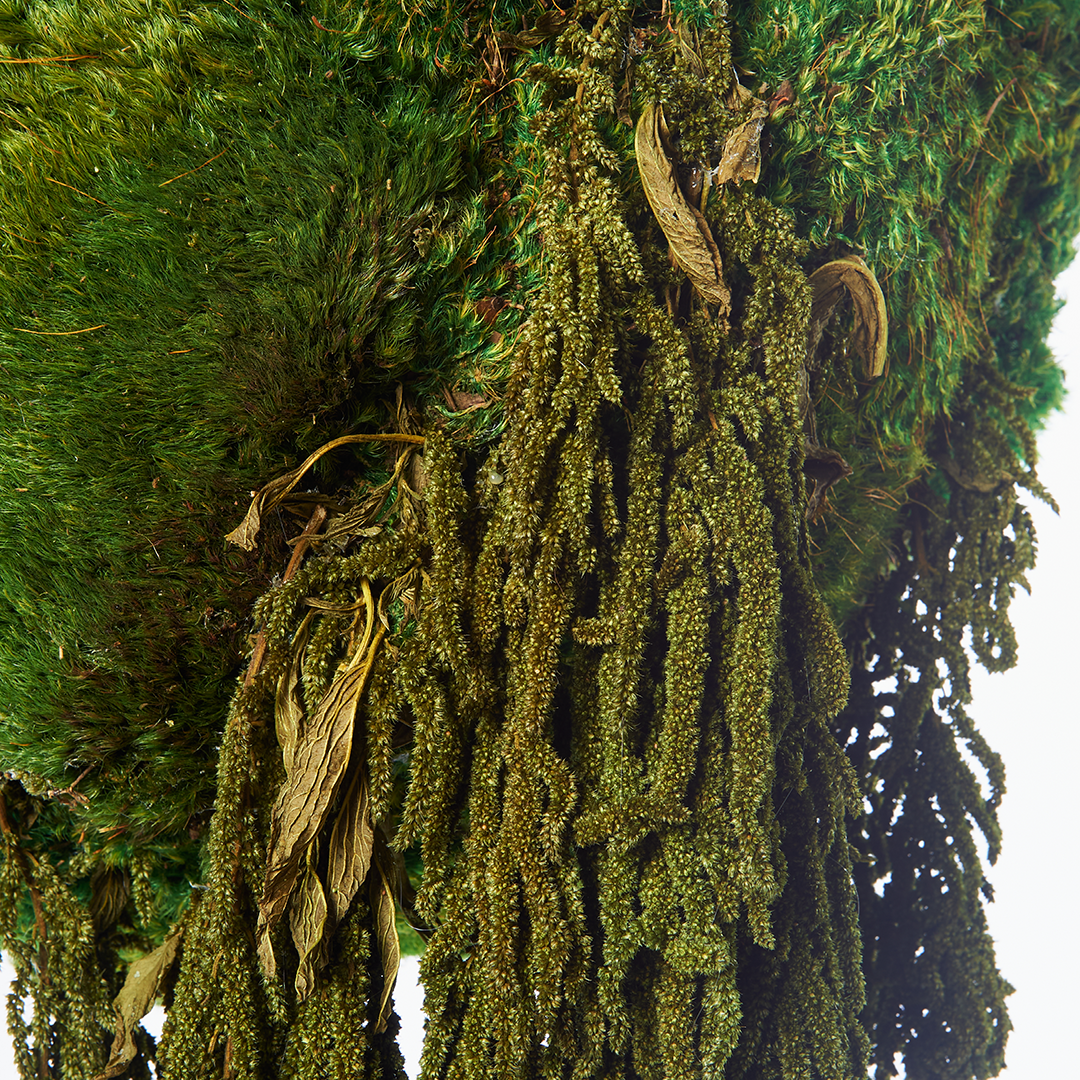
{"points": [[871, 335], [307, 921], [141, 988], [386, 936], [685, 227], [305, 798], [349, 856]]}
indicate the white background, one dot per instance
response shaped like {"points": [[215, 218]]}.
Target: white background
{"points": [[1030, 715]]}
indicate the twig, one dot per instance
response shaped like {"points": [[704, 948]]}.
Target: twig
{"points": [[1038, 128], [195, 170], [997, 101], [60, 183], [245, 15]]}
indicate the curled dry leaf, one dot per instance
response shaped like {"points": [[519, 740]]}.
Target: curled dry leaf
{"points": [[741, 156], [461, 401], [141, 988], [303, 804], [824, 468], [548, 25], [871, 336], [685, 227], [350, 848], [785, 95], [307, 921]]}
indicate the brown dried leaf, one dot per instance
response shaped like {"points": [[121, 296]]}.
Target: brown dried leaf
{"points": [[785, 95], [871, 336], [462, 401], [304, 801], [350, 848], [489, 307], [307, 921], [141, 988], [548, 25], [289, 704], [741, 157], [386, 937], [685, 227], [824, 468], [275, 492]]}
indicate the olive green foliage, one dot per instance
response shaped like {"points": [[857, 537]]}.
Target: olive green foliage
{"points": [[610, 718]]}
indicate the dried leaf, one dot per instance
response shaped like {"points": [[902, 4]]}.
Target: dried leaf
{"points": [[386, 937], [785, 95], [686, 38], [871, 336], [141, 988], [350, 848], [548, 25], [824, 468], [489, 307], [461, 401], [274, 492], [741, 156], [302, 805], [307, 921], [289, 704], [685, 227]]}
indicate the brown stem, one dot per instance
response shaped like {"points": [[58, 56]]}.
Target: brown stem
{"points": [[302, 543]]}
